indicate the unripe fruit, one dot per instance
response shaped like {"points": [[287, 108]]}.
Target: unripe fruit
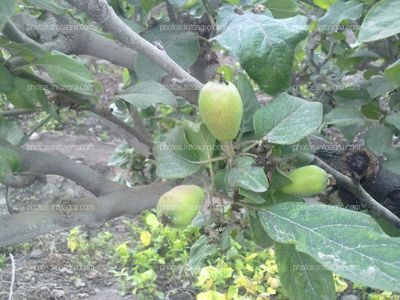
{"points": [[180, 205], [11, 158], [307, 181], [221, 109], [189, 4]]}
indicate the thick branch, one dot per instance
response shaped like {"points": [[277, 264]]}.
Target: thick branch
{"points": [[103, 14], [44, 163], [358, 191], [66, 213]]}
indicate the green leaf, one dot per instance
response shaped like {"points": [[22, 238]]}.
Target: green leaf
{"points": [[5, 168], [264, 47], [70, 73], [6, 80], [301, 276], [281, 9], [287, 119], [278, 180], [200, 251], [394, 120], [28, 52], [26, 94], [349, 243], [338, 12], [50, 5], [10, 131], [381, 21], [250, 103], [7, 8], [251, 197], [175, 158], [343, 116], [260, 237], [181, 45], [200, 137], [378, 86], [392, 74], [244, 175], [379, 138], [10, 157], [325, 4], [148, 93]]}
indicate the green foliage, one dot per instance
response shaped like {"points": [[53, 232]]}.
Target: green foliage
{"points": [[338, 73]]}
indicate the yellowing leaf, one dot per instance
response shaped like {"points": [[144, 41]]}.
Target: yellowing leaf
{"points": [[145, 237], [72, 244], [210, 295], [152, 221]]}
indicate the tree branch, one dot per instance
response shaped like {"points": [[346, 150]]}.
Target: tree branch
{"points": [[66, 213], [358, 191], [44, 163], [103, 14]]}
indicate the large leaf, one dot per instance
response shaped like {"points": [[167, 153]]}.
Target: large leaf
{"points": [[148, 93], [282, 8], [181, 45], [175, 158], [70, 73], [245, 175], [381, 21], [379, 138], [7, 8], [339, 11], [347, 242], [250, 103], [287, 119], [302, 277], [264, 47]]}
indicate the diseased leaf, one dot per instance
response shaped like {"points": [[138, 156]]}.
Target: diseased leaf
{"points": [[349, 243]]}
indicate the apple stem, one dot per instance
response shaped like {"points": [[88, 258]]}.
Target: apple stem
{"points": [[229, 151]]}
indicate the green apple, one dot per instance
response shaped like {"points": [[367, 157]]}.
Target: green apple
{"points": [[189, 4], [307, 181], [221, 109], [180, 205]]}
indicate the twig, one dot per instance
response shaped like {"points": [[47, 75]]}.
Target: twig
{"points": [[10, 297], [17, 112], [357, 190]]}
